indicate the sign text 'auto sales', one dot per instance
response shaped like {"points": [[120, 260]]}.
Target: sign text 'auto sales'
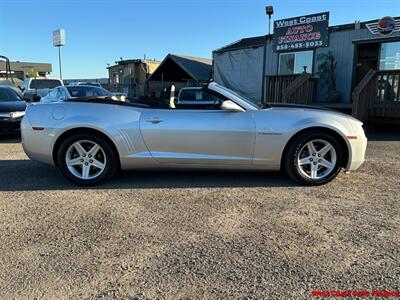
{"points": [[301, 32]]}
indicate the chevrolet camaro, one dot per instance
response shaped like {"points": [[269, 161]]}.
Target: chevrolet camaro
{"points": [[89, 139]]}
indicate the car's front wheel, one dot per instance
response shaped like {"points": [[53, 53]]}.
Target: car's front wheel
{"points": [[313, 158], [86, 159]]}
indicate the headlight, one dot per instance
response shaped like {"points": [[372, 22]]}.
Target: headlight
{"points": [[17, 114]]}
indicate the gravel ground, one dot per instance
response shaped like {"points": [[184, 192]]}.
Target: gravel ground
{"points": [[180, 235]]}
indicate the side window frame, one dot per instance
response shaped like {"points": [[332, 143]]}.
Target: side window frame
{"points": [[215, 106]]}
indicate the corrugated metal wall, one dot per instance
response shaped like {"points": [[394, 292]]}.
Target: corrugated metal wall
{"points": [[340, 43], [342, 46]]}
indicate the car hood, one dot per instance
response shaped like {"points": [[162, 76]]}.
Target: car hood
{"points": [[310, 109], [9, 106], [302, 106]]}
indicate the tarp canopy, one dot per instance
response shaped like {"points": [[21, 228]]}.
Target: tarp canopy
{"points": [[180, 68], [240, 70]]}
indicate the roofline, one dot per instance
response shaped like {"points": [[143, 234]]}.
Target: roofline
{"points": [[378, 39], [238, 48], [169, 56], [187, 71], [221, 49], [165, 58], [132, 61], [237, 41]]}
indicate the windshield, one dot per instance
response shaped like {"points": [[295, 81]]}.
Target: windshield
{"points": [[87, 91], [44, 84], [9, 95], [248, 101]]}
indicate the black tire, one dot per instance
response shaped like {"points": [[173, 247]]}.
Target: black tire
{"points": [[111, 163], [291, 158]]}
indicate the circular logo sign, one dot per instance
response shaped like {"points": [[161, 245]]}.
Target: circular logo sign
{"points": [[386, 25]]}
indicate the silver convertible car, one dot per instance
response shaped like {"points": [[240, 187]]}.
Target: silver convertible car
{"points": [[91, 138]]}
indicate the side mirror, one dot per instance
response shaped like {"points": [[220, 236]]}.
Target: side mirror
{"points": [[21, 88], [231, 106]]}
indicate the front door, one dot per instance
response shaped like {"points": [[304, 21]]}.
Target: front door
{"points": [[367, 59], [199, 136]]}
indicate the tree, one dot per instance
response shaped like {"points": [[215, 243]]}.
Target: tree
{"points": [[31, 74]]}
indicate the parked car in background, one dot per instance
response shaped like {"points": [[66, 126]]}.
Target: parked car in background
{"points": [[98, 84], [62, 93], [187, 98], [192, 97], [12, 109], [91, 83], [38, 87], [89, 139]]}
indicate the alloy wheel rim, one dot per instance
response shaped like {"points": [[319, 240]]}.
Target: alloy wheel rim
{"points": [[85, 159], [317, 159]]}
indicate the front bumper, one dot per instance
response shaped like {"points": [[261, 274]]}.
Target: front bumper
{"points": [[357, 152], [10, 126]]}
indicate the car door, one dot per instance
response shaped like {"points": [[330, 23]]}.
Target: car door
{"points": [[207, 137]]}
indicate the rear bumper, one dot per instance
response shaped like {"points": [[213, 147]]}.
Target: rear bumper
{"points": [[357, 152], [37, 144]]}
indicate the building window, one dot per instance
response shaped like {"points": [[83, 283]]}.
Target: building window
{"points": [[116, 78], [294, 62], [390, 56]]}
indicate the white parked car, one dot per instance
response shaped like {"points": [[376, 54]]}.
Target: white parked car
{"points": [[39, 86], [98, 84], [191, 97], [89, 139]]}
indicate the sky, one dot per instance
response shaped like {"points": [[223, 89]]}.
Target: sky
{"points": [[99, 32]]}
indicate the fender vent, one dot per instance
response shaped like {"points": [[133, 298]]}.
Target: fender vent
{"points": [[129, 146]]}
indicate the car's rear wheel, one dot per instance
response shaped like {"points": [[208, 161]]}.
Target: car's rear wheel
{"points": [[86, 159], [313, 158]]}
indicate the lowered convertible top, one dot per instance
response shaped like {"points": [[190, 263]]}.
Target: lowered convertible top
{"points": [[106, 100]]}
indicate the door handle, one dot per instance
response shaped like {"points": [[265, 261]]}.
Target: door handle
{"points": [[154, 120]]}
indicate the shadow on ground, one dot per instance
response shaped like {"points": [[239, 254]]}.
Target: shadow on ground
{"points": [[383, 133], [23, 175]]}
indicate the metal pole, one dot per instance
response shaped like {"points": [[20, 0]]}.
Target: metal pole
{"points": [[59, 61], [264, 61], [263, 73], [269, 24]]}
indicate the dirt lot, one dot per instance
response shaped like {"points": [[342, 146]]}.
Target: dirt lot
{"points": [[179, 235]]}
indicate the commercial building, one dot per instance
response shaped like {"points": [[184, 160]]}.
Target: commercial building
{"points": [[353, 67], [130, 76], [20, 70]]}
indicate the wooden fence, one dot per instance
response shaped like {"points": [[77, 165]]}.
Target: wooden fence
{"points": [[299, 89]]}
